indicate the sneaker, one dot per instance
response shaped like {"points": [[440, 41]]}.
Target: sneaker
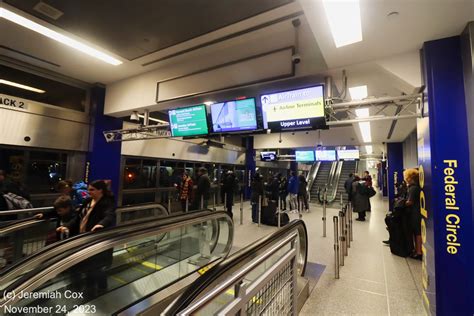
{"points": [[360, 219], [307, 210], [387, 242]]}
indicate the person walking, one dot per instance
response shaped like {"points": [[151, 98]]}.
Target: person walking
{"points": [[348, 186], [257, 191], [360, 198], [303, 193], [293, 191]]}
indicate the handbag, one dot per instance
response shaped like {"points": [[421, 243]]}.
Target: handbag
{"points": [[371, 192], [399, 204]]}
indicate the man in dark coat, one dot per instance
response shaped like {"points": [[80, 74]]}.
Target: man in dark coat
{"points": [[202, 190], [360, 198], [348, 186]]}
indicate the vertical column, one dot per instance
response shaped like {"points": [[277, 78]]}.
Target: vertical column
{"points": [[103, 159], [446, 202], [383, 175], [249, 165], [394, 169]]}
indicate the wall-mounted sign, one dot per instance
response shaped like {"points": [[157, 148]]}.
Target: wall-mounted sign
{"points": [[10, 102]]}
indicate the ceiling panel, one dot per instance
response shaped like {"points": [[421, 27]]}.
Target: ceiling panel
{"points": [[132, 29]]}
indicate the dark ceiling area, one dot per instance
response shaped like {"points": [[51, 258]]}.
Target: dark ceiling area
{"points": [[56, 93], [133, 29]]}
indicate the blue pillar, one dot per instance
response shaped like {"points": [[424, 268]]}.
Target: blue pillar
{"points": [[249, 165], [103, 159], [446, 205], [394, 169], [383, 175]]}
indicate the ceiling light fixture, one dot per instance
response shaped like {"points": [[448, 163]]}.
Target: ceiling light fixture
{"points": [[209, 102], [358, 93], [364, 126], [66, 40], [369, 149], [344, 21], [21, 86]]}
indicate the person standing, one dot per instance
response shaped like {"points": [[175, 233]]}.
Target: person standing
{"points": [[303, 193], [413, 209], [283, 192], [348, 186], [360, 198], [185, 191], [293, 191], [257, 189], [368, 183], [229, 187], [97, 213], [202, 190], [77, 192]]}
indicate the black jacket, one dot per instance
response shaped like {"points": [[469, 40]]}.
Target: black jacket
{"points": [[203, 187], [102, 214]]}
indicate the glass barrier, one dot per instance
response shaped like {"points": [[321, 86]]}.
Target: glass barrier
{"points": [[106, 276]]}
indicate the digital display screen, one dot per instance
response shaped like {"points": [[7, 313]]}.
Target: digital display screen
{"points": [[268, 155], [325, 155], [305, 155], [189, 121], [294, 109], [348, 154], [233, 116]]}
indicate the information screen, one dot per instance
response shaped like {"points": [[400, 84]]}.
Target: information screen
{"points": [[268, 155], [232, 116], [190, 121], [294, 109], [325, 155], [304, 155], [348, 154]]}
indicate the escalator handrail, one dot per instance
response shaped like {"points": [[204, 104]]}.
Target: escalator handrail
{"points": [[59, 247], [27, 210], [312, 177], [335, 181], [240, 258], [47, 270], [21, 224]]}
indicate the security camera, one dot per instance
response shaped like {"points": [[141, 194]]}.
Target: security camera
{"points": [[134, 116], [296, 22], [296, 58]]}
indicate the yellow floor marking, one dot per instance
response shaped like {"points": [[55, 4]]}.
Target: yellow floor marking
{"points": [[152, 265], [119, 280]]}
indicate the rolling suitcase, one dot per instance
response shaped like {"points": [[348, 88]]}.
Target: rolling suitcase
{"points": [[401, 242], [268, 212]]}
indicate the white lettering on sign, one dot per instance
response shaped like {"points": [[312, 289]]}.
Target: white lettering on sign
{"points": [[9, 102]]}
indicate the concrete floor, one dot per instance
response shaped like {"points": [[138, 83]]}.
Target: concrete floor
{"points": [[372, 281]]}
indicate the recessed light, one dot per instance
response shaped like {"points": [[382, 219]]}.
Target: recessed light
{"points": [[344, 21]]}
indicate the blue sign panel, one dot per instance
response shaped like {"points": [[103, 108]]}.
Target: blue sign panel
{"points": [[395, 169], [446, 205]]}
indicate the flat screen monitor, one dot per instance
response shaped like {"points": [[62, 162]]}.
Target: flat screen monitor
{"points": [[188, 121], [234, 116], [325, 155], [348, 154], [268, 155], [304, 155], [294, 109]]}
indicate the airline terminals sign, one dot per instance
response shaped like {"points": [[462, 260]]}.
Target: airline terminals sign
{"points": [[10, 102], [295, 109]]}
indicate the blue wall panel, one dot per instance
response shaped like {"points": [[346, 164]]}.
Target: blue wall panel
{"points": [[447, 189], [103, 160], [395, 169]]}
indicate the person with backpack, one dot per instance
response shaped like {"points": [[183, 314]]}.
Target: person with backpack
{"points": [[8, 185], [77, 192], [360, 198]]}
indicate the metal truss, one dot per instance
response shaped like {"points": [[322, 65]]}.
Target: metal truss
{"points": [[402, 106], [139, 133]]}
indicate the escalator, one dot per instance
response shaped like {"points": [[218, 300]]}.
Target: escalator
{"points": [[21, 238], [265, 278], [311, 177], [321, 178], [122, 270]]}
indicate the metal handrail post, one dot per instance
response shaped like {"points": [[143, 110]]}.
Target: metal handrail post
{"points": [[259, 210], [341, 239], [278, 213], [187, 205], [336, 247], [324, 212], [241, 208], [225, 201], [202, 202], [169, 203], [344, 233], [350, 222], [348, 227]]}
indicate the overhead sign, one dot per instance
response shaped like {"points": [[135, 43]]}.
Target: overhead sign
{"points": [[294, 109], [10, 102], [190, 121]]}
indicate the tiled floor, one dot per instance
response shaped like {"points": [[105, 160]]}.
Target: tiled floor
{"points": [[372, 281]]}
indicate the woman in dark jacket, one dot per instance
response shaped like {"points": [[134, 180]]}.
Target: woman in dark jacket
{"points": [[360, 198], [257, 189], [97, 212], [303, 193]]}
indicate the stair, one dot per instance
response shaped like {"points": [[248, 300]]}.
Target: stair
{"points": [[348, 167], [321, 179]]}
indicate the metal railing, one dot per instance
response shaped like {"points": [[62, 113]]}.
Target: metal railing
{"points": [[343, 236], [261, 279], [313, 173]]}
